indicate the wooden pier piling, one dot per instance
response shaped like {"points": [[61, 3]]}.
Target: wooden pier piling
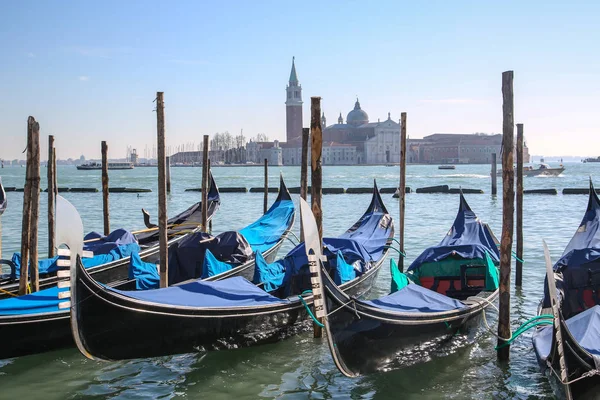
{"points": [[304, 172], [519, 263], [266, 192], [494, 175], [35, 209], [168, 166], [205, 184], [209, 174], [105, 209], [316, 150], [162, 191], [508, 211], [51, 172], [402, 188]]}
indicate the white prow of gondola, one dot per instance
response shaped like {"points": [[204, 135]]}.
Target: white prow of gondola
{"points": [[312, 243], [564, 376]]}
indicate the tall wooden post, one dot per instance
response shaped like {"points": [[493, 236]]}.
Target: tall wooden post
{"points": [[105, 209], [205, 184], [494, 175], [51, 196], [35, 208], [208, 189], [402, 188], [316, 180], [519, 272], [162, 190], [508, 211], [168, 166], [26, 221], [304, 172], [266, 195]]}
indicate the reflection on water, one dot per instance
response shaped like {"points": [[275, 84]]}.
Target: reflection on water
{"points": [[301, 367]]}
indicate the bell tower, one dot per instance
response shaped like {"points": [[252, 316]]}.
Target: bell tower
{"points": [[293, 106]]}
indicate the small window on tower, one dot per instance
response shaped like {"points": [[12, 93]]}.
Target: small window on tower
{"points": [[296, 94], [289, 95]]}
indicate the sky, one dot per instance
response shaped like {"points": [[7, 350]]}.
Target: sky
{"points": [[89, 71]]}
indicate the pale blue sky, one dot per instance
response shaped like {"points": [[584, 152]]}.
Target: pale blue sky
{"points": [[89, 71]]}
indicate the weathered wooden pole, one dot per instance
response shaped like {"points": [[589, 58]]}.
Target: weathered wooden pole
{"points": [[162, 190], [508, 211], [105, 209], [266, 195], [26, 221], [35, 208], [304, 172], [51, 196], [168, 166], [316, 178], [519, 272], [494, 175], [402, 188], [205, 184], [3, 205], [209, 183]]}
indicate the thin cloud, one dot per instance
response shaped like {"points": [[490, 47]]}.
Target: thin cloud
{"points": [[457, 100], [84, 78], [99, 52], [188, 62], [30, 55]]}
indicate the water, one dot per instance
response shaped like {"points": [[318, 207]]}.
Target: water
{"points": [[301, 367]]}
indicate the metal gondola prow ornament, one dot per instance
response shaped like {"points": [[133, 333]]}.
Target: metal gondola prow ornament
{"points": [[564, 376], [3, 202], [314, 254]]}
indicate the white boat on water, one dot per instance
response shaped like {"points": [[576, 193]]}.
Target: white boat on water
{"points": [[111, 165], [542, 169]]}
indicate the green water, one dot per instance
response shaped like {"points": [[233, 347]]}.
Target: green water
{"points": [[301, 367]]}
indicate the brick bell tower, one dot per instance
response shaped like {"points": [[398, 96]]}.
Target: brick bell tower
{"points": [[293, 106]]}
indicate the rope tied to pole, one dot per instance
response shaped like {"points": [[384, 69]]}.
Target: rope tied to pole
{"points": [[315, 320]]}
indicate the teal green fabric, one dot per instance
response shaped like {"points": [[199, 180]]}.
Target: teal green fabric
{"points": [[399, 280], [491, 274]]}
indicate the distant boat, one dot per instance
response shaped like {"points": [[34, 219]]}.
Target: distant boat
{"points": [[447, 167], [111, 165], [543, 169]]}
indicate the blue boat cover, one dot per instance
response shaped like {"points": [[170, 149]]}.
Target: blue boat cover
{"points": [[39, 302], [468, 238], [584, 327], [267, 230], [270, 275], [211, 266], [48, 265], [580, 261], [399, 280], [145, 274], [415, 299], [344, 272], [230, 292], [105, 244]]}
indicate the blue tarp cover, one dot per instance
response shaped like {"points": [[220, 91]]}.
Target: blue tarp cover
{"points": [[48, 265], [584, 327], [270, 275], [230, 292], [267, 230], [39, 302], [416, 299], [211, 266], [105, 244], [145, 274], [344, 272], [468, 238]]}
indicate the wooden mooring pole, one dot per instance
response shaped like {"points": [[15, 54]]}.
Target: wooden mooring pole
{"points": [[266, 196], [105, 209], [508, 211], [494, 174], [402, 188], [168, 166], [316, 150], [208, 188], [205, 184], [35, 208], [519, 266], [51, 170], [26, 221], [304, 172], [162, 190]]}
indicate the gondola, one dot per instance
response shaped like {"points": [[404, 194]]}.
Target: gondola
{"points": [[455, 283], [569, 350], [3, 201], [109, 324], [35, 323], [116, 270]]}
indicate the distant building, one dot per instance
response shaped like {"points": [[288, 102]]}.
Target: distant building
{"points": [[293, 106], [256, 152]]}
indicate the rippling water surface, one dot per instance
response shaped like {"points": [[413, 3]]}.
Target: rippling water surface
{"points": [[301, 367]]}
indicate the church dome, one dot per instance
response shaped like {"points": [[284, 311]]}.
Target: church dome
{"points": [[357, 116]]}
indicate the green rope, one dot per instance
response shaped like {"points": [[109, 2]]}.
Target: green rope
{"points": [[397, 241], [527, 325], [398, 250], [315, 320], [514, 255]]}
